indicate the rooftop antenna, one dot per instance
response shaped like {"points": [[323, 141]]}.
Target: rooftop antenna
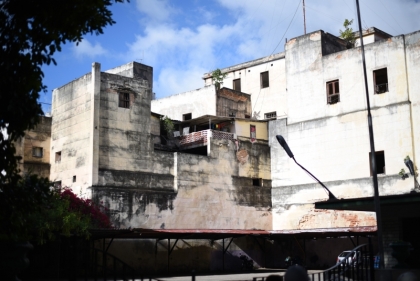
{"points": [[304, 18]]}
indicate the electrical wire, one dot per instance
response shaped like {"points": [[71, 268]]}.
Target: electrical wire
{"points": [[284, 34]]}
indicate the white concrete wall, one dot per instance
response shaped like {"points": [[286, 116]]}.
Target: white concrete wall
{"points": [[264, 100], [332, 141], [71, 133], [197, 102]]}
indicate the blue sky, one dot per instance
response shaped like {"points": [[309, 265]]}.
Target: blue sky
{"points": [[183, 39]]}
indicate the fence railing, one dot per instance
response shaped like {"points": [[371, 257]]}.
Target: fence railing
{"points": [[200, 137], [357, 265]]}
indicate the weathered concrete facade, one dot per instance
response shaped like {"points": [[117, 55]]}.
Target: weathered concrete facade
{"points": [[268, 97], [331, 139], [108, 148], [34, 148]]}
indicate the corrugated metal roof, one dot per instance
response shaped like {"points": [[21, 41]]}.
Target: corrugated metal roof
{"points": [[216, 234]]}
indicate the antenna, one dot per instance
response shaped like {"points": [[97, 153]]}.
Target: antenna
{"points": [[304, 18]]}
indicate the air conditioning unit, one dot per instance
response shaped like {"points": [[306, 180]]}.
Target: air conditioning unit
{"points": [[333, 98]]}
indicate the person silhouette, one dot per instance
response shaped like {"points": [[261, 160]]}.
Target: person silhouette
{"points": [[296, 273]]}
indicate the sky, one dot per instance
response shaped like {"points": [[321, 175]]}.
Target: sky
{"points": [[183, 39]]}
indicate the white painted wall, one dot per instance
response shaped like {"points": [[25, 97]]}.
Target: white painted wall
{"points": [[264, 100], [197, 102]]}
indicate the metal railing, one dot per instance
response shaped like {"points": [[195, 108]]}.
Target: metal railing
{"points": [[381, 88], [357, 265]]}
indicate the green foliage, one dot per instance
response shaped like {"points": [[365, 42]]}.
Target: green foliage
{"points": [[31, 31], [218, 77], [348, 34], [168, 125], [35, 211]]}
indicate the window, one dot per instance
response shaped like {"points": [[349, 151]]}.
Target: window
{"points": [[186, 116], [380, 162], [264, 79], [270, 115], [74, 178], [58, 157], [124, 100], [253, 133], [37, 152], [256, 182], [333, 92], [57, 184], [237, 85], [380, 80]]}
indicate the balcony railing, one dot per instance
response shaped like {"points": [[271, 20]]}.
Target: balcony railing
{"points": [[381, 88], [200, 138]]}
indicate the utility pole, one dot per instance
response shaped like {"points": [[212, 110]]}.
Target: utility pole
{"points": [[304, 18], [372, 150]]}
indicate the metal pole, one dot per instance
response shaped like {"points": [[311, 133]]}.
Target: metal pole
{"points": [[304, 18], [372, 150]]}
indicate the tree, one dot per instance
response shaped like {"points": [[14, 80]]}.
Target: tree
{"points": [[31, 31], [218, 77], [348, 33]]}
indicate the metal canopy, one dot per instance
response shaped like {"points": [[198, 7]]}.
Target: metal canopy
{"points": [[367, 203], [217, 234]]}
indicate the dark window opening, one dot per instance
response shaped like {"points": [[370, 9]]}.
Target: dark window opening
{"points": [[58, 156], [237, 85], [57, 184], [270, 115], [256, 182], [74, 178], [264, 80], [186, 117], [380, 162], [380, 80], [247, 116], [37, 152], [253, 132], [124, 100], [333, 92]]}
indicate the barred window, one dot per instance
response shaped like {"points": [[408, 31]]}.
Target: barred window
{"points": [[124, 100]]}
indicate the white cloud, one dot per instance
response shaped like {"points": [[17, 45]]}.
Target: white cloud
{"points": [[86, 49], [237, 31], [156, 10]]}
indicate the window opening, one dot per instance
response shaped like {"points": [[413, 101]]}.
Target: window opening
{"points": [[58, 156], [37, 152], [264, 79], [74, 178], [237, 85], [380, 80], [124, 100], [380, 162], [186, 116], [270, 115], [57, 184], [253, 133], [256, 182], [333, 92]]}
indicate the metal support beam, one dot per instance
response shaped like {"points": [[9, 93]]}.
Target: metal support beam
{"points": [[170, 249], [225, 250], [351, 239]]}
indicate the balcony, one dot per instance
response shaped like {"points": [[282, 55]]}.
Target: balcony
{"points": [[200, 138]]}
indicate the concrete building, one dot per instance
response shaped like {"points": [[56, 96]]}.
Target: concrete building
{"points": [[34, 148], [225, 168]]}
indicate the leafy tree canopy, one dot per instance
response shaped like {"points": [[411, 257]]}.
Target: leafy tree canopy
{"points": [[348, 33], [31, 31], [218, 77]]}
